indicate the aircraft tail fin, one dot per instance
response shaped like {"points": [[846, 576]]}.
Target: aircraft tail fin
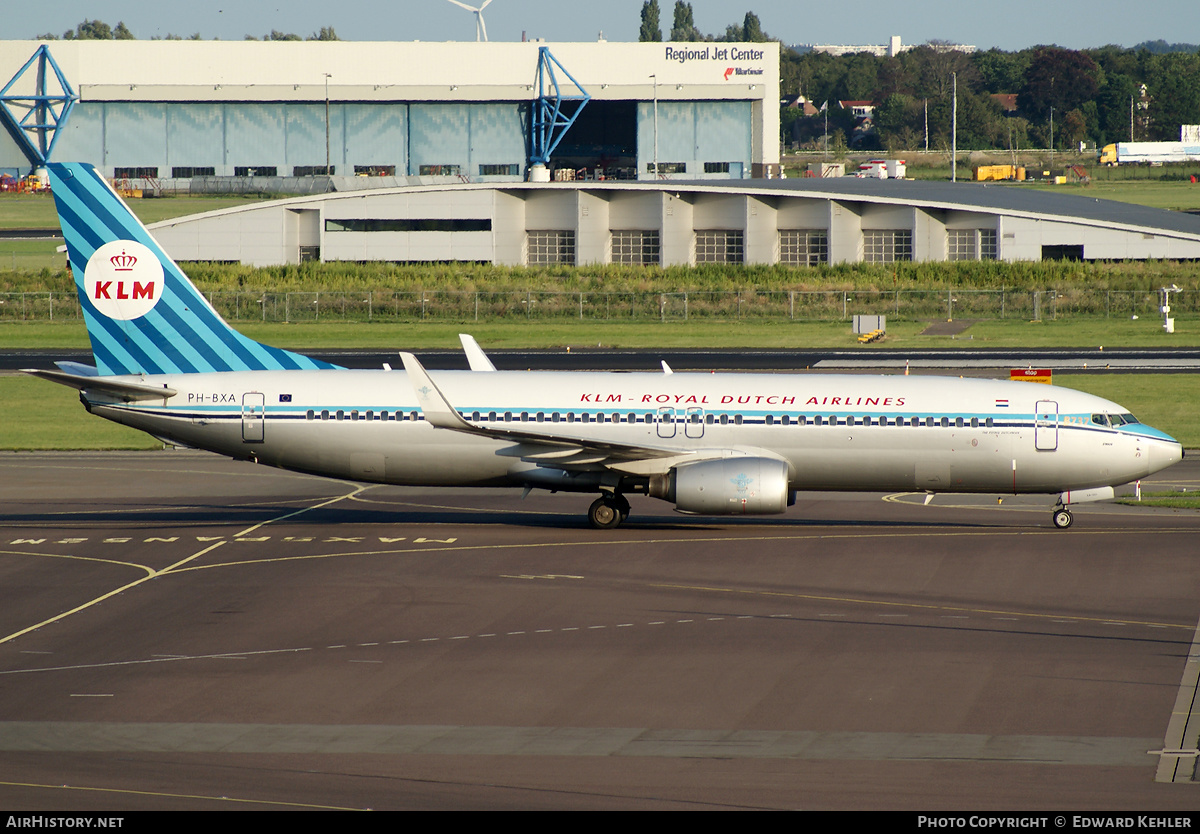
{"points": [[143, 315]]}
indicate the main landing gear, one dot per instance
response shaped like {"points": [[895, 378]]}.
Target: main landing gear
{"points": [[608, 511], [1062, 518]]}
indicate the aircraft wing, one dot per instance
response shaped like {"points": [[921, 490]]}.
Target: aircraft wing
{"points": [[127, 391], [557, 446]]}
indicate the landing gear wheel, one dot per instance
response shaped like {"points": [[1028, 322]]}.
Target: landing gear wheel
{"points": [[1063, 518], [605, 513]]}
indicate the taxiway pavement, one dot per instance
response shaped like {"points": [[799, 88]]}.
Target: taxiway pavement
{"points": [[182, 631]]}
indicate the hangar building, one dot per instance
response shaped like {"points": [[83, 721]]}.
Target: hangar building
{"points": [[433, 111], [677, 151], [801, 222]]}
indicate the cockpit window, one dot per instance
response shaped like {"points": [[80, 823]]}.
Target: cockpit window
{"points": [[1100, 419]]}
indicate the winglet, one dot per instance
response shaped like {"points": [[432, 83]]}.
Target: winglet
{"points": [[437, 410], [476, 358]]}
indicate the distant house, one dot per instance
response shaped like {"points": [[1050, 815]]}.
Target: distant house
{"points": [[860, 109], [1007, 102], [804, 105]]}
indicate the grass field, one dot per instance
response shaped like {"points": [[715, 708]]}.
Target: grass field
{"points": [[1178, 196], [1010, 333], [35, 414], [36, 211]]}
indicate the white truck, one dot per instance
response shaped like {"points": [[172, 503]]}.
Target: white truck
{"points": [[1154, 153], [882, 169]]}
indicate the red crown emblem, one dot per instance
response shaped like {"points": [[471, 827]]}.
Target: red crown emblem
{"points": [[123, 262]]}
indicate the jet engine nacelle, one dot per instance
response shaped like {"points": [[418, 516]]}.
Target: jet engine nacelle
{"points": [[730, 486]]}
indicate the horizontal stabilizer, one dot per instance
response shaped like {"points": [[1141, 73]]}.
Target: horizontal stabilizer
{"points": [[127, 391], [76, 368]]}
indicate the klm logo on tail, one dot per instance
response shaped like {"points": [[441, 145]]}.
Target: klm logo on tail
{"points": [[123, 280], [143, 314]]}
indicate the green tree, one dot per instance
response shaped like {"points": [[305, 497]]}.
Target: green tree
{"points": [[651, 30], [684, 28], [89, 30], [122, 33], [1174, 89], [1060, 78], [1001, 72], [752, 29], [326, 34], [1074, 129]]}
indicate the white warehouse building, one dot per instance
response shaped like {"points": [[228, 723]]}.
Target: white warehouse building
{"points": [[800, 222]]}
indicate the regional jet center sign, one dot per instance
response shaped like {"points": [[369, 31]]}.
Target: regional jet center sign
{"points": [[733, 63]]}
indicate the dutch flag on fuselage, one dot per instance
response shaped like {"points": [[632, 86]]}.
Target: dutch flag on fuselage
{"points": [[143, 315]]}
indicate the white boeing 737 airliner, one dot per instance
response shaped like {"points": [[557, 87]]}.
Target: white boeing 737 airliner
{"points": [[711, 444]]}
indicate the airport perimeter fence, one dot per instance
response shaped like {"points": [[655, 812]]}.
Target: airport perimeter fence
{"points": [[824, 305]]}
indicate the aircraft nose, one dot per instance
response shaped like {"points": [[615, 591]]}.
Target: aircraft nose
{"points": [[1164, 453]]}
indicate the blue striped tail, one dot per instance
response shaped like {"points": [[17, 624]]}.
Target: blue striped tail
{"points": [[143, 315]]}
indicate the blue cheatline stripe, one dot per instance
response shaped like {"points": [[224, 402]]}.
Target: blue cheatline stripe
{"points": [[183, 333]]}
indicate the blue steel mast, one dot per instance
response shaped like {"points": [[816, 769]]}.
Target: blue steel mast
{"points": [[36, 132], [550, 123]]}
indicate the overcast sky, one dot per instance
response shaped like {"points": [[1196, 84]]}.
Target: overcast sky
{"points": [[1012, 25]]}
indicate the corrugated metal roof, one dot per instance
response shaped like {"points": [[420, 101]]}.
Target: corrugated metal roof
{"points": [[1000, 199]]}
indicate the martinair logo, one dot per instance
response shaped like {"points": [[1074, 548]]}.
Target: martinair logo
{"points": [[123, 280]]}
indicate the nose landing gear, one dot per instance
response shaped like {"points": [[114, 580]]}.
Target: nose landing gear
{"points": [[1062, 518]]}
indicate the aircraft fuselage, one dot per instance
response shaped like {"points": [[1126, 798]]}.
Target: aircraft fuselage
{"points": [[834, 432]]}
